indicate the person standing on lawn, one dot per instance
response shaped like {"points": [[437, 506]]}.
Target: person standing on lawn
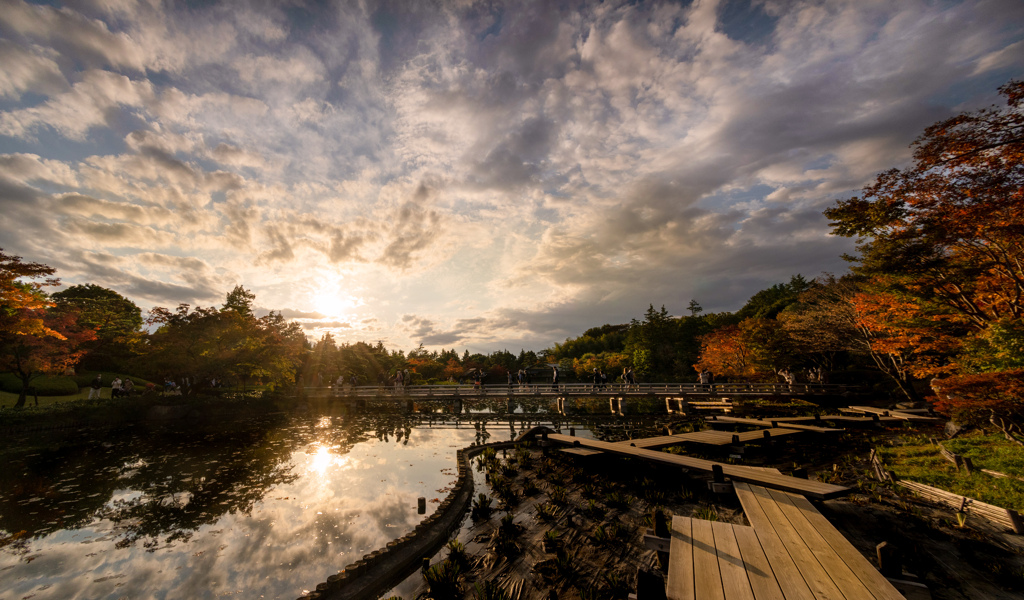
{"points": [[96, 387]]}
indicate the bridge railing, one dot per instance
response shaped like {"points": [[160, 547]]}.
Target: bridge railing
{"points": [[578, 389]]}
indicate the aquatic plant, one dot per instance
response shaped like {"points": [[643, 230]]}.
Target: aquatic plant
{"points": [[615, 500], [530, 487], [600, 535], [491, 591], [551, 535], [589, 490], [457, 553], [444, 579], [558, 495], [706, 512], [546, 511], [481, 507], [618, 585], [593, 509]]}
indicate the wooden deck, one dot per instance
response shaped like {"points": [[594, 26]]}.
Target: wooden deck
{"points": [[814, 489], [897, 414], [789, 552], [710, 437], [773, 422]]}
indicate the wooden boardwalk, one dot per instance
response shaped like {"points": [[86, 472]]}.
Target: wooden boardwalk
{"points": [[710, 437], [789, 552], [715, 419], [814, 489], [898, 414]]}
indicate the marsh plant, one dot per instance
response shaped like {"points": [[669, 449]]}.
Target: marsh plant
{"points": [[546, 511], [457, 553], [593, 509], [444, 579], [530, 487], [706, 512], [481, 507], [558, 495], [488, 590]]}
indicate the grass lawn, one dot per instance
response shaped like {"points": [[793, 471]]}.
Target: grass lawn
{"points": [[7, 399], [917, 460]]}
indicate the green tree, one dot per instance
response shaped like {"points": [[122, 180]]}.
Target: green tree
{"points": [[116, 320]]}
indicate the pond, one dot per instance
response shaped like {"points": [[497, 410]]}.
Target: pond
{"points": [[256, 508]]}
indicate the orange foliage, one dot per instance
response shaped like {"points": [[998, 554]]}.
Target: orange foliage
{"points": [[994, 397], [898, 328]]}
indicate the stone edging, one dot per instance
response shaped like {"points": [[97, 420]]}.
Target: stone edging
{"points": [[386, 567]]}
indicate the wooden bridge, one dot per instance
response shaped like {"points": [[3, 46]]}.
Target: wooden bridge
{"points": [[567, 390]]}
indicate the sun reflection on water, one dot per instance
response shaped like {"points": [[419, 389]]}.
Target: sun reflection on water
{"points": [[324, 458]]}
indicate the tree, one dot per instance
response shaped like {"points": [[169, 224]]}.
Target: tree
{"points": [[116, 320], [240, 300], [768, 303], [994, 397], [951, 224], [755, 349], [206, 343], [34, 339]]}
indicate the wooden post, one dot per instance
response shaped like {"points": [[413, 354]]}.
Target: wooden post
{"points": [[717, 474], [1015, 521], [890, 560], [572, 431], [800, 473], [735, 440], [421, 506]]}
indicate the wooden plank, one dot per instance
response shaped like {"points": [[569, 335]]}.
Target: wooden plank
{"points": [[707, 579], [760, 575], [679, 585], [735, 583], [821, 584], [581, 451], [769, 423], [862, 567], [891, 413], [834, 564], [815, 489], [709, 437], [788, 576]]}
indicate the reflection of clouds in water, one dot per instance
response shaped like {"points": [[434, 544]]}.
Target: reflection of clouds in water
{"points": [[282, 547]]}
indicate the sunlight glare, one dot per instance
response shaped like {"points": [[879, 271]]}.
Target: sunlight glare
{"points": [[329, 300], [324, 459]]}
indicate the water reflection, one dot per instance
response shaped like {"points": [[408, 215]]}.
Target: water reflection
{"points": [[256, 508]]}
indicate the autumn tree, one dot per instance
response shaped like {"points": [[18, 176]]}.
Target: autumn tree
{"points": [[951, 225], [756, 349], [34, 339], [949, 229]]}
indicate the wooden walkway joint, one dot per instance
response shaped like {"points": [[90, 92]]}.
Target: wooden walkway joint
{"points": [[789, 552]]}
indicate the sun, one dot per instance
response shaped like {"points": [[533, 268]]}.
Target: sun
{"points": [[330, 301]]}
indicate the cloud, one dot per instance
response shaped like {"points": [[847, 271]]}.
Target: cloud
{"points": [[31, 69], [87, 105], [500, 173]]}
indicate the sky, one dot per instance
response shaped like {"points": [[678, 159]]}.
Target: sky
{"points": [[484, 175]]}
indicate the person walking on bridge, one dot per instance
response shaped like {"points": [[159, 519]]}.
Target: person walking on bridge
{"points": [[554, 378]]}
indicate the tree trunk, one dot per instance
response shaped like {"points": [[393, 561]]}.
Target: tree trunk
{"points": [[23, 395], [1011, 430]]}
